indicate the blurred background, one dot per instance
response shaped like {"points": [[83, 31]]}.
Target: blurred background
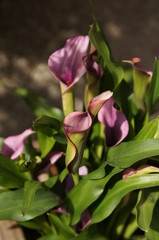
{"points": [[31, 30]]}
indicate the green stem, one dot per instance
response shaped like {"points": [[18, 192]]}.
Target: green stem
{"points": [[67, 99]]}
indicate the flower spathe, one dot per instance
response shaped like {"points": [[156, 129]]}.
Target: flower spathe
{"points": [[13, 146], [66, 63], [141, 81], [94, 73], [76, 128], [116, 124]]}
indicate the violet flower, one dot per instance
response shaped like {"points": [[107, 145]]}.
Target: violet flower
{"points": [[76, 128], [94, 73], [116, 124], [66, 63], [67, 67], [13, 146], [141, 79]]}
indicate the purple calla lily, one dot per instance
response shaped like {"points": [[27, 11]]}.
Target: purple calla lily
{"points": [[141, 80], [76, 128], [136, 63], [13, 146], [94, 73], [66, 63], [116, 124]]}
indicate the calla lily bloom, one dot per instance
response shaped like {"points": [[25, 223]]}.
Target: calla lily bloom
{"points": [[67, 67], [76, 128], [116, 124], [94, 73], [66, 63], [13, 146], [141, 78]]}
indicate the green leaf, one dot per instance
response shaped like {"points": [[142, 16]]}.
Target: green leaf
{"points": [[153, 92], [62, 230], [39, 105], [153, 232], [145, 208], [30, 189], [93, 233], [86, 192], [121, 94], [51, 181], [150, 130], [119, 190], [12, 204], [50, 237], [46, 127], [99, 41], [128, 153], [10, 176]]}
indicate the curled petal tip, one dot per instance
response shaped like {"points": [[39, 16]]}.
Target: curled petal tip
{"points": [[66, 63]]}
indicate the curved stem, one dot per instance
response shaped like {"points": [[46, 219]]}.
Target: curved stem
{"points": [[67, 99]]}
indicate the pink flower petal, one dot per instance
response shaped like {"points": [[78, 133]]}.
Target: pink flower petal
{"points": [[116, 124], [129, 172], [83, 171], [77, 122], [92, 66], [13, 146], [66, 63], [97, 102], [135, 62], [55, 157]]}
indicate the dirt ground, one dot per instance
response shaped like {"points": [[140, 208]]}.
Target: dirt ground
{"points": [[31, 30]]}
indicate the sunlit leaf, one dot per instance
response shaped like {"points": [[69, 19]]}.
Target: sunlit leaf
{"points": [[128, 153], [46, 127], [119, 190], [145, 208], [88, 191]]}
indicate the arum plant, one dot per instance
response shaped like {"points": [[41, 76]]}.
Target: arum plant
{"points": [[92, 174], [67, 67]]}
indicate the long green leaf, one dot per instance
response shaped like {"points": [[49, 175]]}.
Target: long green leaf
{"points": [[62, 230], [150, 130], [86, 192], [98, 39], [145, 208], [119, 190], [153, 93], [10, 176], [128, 153], [153, 233], [30, 189], [12, 204]]}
